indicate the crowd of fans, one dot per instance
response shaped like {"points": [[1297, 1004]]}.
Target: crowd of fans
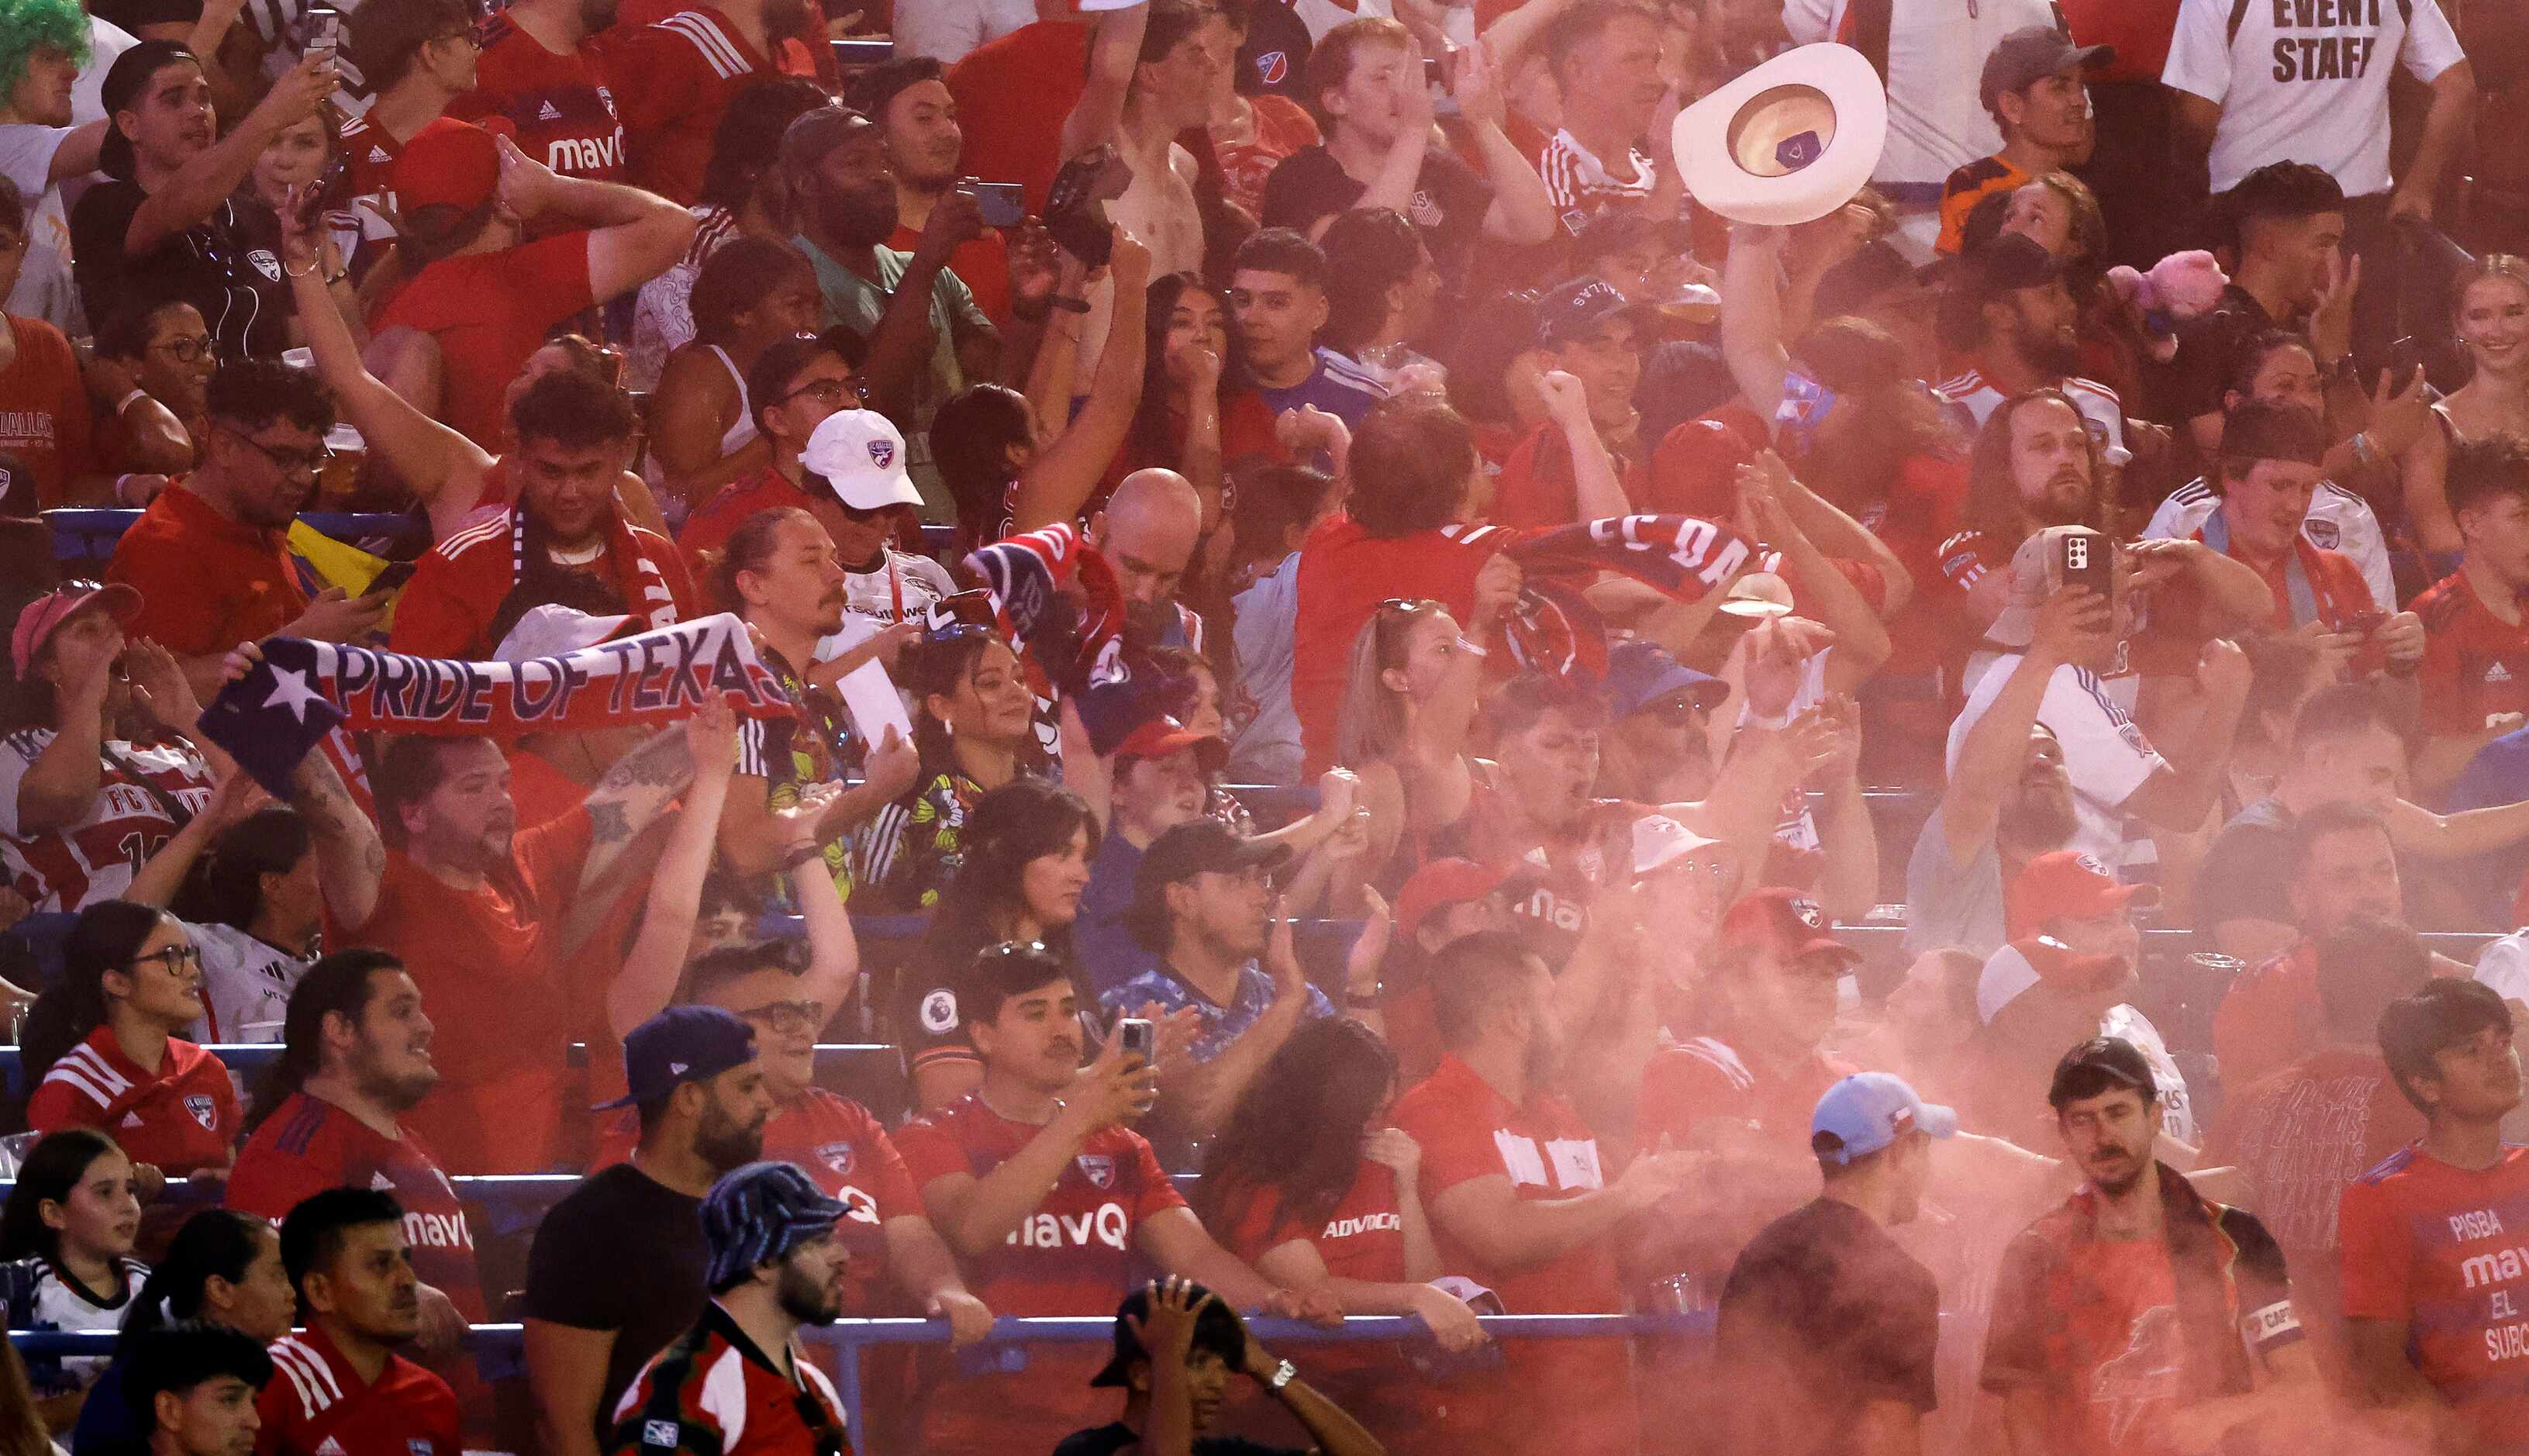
{"points": [[1386, 715]]}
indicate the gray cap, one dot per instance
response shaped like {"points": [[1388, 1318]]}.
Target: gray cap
{"points": [[818, 131], [2030, 54]]}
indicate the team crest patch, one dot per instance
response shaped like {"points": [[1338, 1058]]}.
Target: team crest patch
{"points": [[265, 263], [204, 1110], [2322, 534], [2091, 862], [939, 1012], [839, 1156], [1273, 68], [1097, 1168], [659, 1433], [1807, 910], [881, 452]]}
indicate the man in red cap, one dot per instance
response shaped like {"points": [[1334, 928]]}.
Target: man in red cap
{"points": [[1160, 775], [488, 296], [1747, 1087]]}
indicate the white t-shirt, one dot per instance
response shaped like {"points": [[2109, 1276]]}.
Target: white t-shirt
{"points": [[44, 289], [1936, 49], [947, 30], [2101, 409], [245, 985], [2338, 520], [2307, 81], [106, 43], [2105, 752]]}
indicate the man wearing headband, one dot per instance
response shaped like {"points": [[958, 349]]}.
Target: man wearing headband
{"points": [[737, 1383], [926, 337]]}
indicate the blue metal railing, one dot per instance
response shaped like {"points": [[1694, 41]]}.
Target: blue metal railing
{"points": [[845, 1339]]}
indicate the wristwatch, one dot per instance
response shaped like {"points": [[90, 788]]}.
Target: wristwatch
{"points": [[1284, 1375]]}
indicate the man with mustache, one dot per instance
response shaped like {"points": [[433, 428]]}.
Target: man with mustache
{"points": [[672, 82], [2139, 1315], [2013, 313], [927, 337], [1047, 1196], [343, 1388], [616, 1269], [737, 1383]]}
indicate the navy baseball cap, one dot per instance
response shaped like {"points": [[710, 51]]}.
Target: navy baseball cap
{"points": [[1215, 1328], [759, 1212], [1573, 310], [1640, 674], [1870, 1111], [681, 1044]]}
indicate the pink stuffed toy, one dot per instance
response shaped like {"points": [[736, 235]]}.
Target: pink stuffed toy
{"points": [[2181, 287]]}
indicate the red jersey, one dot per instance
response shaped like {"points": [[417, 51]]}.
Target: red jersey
{"points": [[308, 1145], [671, 82], [126, 822], [44, 419], [1686, 1084], [1072, 1256], [2476, 665], [1345, 572], [560, 104], [181, 1118], [206, 583], [1362, 1237], [315, 1405], [1923, 520], [446, 608], [1536, 487], [1012, 95], [2445, 1251], [489, 311], [369, 152], [499, 1102], [714, 1393], [710, 526], [2269, 1018]]}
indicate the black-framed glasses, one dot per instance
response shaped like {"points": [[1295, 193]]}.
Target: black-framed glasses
{"points": [[188, 347], [174, 957], [830, 392], [787, 1017], [305, 463]]}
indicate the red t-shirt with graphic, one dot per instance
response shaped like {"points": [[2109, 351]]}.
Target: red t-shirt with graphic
{"points": [[44, 419], [1073, 1255], [2445, 1251], [181, 1118], [1362, 1237], [308, 1145], [2475, 665]]}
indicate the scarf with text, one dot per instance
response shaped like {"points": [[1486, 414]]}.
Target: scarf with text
{"points": [[1555, 629], [302, 690], [1058, 599]]}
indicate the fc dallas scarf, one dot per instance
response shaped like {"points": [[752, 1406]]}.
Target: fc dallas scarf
{"points": [[1554, 629], [269, 719], [1078, 638]]}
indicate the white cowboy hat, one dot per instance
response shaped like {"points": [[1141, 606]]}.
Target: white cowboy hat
{"points": [[1792, 141]]}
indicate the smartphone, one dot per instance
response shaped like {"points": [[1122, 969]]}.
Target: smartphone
{"points": [[864, 51], [2089, 561], [1001, 203], [969, 608], [324, 32], [2364, 624], [1133, 1034]]}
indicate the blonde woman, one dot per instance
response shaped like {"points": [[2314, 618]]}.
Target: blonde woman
{"points": [[2492, 318]]}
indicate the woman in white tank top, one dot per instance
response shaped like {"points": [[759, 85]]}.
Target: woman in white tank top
{"points": [[750, 293]]}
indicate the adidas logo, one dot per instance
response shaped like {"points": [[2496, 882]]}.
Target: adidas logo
{"points": [[132, 1120], [379, 154], [381, 1183], [331, 1447], [547, 113], [2498, 673]]}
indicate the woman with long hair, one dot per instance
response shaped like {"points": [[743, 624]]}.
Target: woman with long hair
{"points": [[1025, 852], [102, 1050], [1408, 708], [2492, 318], [1308, 1184], [974, 726], [223, 1267], [749, 295], [67, 1233]]}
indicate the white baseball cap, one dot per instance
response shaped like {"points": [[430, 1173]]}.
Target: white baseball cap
{"points": [[861, 456], [1659, 841], [550, 629]]}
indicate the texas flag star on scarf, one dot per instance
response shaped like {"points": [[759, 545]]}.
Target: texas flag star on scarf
{"points": [[302, 690]]}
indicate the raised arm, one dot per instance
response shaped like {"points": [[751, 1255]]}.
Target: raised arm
{"points": [[1752, 316], [1114, 51], [648, 979], [1860, 637], [1522, 210], [1996, 748], [202, 184], [1061, 477], [1596, 492], [635, 236]]}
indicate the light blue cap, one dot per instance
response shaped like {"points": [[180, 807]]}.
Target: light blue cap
{"points": [[1869, 1110]]}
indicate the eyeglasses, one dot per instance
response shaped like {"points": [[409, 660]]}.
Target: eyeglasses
{"points": [[828, 391], [189, 347], [787, 1017], [303, 464], [174, 957], [1678, 711]]}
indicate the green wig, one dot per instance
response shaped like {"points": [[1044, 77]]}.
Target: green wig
{"points": [[28, 26]]}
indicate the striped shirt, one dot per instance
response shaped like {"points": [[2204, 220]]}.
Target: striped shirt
{"points": [[1582, 187], [2339, 520]]}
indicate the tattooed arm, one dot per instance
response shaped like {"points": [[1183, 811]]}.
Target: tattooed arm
{"points": [[627, 801], [350, 857]]}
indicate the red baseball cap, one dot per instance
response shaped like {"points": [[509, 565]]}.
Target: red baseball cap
{"points": [[2068, 885], [1785, 921], [40, 616], [1442, 882], [447, 164], [1161, 736]]}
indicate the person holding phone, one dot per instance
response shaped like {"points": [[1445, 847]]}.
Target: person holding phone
{"points": [[918, 128]]}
